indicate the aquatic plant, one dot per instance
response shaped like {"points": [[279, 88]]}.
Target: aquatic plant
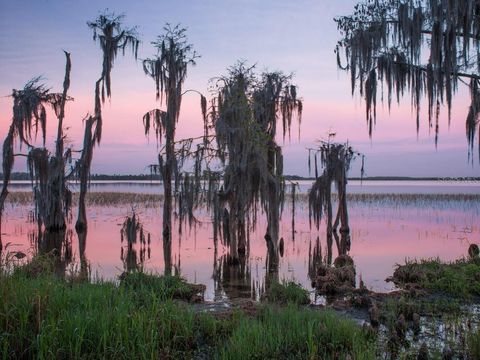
{"points": [[459, 278], [425, 47], [287, 292]]}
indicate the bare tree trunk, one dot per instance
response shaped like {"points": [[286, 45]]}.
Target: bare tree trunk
{"points": [[344, 228], [329, 228], [167, 257], [273, 217], [82, 245], [242, 238], [83, 174], [271, 275], [167, 190]]}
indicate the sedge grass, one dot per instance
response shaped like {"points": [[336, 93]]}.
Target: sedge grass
{"points": [[47, 317]]}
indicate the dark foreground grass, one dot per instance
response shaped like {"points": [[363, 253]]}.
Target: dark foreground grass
{"points": [[45, 317], [460, 279]]}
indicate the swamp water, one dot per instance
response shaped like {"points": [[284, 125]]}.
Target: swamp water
{"points": [[390, 221]]}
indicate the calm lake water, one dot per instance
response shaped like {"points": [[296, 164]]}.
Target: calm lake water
{"points": [[386, 228]]}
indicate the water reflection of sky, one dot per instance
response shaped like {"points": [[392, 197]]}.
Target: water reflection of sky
{"points": [[384, 233]]}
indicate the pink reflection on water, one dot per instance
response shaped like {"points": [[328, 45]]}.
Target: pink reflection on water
{"points": [[383, 234]]}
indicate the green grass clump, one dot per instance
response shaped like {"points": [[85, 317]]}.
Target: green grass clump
{"points": [[473, 341], [290, 333], [46, 317], [164, 287], [408, 306], [287, 293], [459, 279]]}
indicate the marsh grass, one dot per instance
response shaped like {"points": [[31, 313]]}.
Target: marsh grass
{"points": [[48, 317], [95, 198], [289, 333], [459, 279], [286, 293], [473, 341]]}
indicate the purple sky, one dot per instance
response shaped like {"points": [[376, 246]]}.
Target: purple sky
{"points": [[292, 36]]}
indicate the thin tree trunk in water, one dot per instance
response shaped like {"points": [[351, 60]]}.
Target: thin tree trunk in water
{"points": [[167, 257], [329, 228], [242, 239], [273, 217], [233, 222], [344, 228], [81, 225], [167, 189], [82, 245], [83, 173], [271, 275]]}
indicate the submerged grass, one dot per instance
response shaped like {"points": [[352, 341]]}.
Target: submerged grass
{"points": [[48, 317], [460, 279]]}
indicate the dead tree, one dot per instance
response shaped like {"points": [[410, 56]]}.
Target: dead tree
{"points": [[112, 38]]}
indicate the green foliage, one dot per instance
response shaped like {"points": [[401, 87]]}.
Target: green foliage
{"points": [[164, 287], [47, 317], [290, 333], [460, 278], [287, 293], [473, 341]]}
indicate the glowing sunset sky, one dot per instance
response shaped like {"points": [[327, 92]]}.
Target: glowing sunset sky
{"points": [[292, 36]]}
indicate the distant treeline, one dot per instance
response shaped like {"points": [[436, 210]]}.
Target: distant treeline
{"points": [[26, 176]]}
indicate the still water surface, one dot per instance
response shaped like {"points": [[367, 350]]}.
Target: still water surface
{"points": [[385, 230]]}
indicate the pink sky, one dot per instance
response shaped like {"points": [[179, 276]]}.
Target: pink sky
{"points": [[294, 37]]}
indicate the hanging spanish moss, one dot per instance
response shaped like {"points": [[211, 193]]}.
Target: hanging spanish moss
{"points": [[113, 37], [245, 111], [425, 47], [48, 171], [335, 160], [169, 70]]}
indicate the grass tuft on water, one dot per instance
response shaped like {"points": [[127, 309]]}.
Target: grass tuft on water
{"points": [[287, 293], [459, 279]]}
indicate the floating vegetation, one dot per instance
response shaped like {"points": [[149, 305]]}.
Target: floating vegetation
{"points": [[286, 293], [460, 278]]}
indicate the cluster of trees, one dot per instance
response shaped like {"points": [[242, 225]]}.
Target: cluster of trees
{"points": [[237, 166]]}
